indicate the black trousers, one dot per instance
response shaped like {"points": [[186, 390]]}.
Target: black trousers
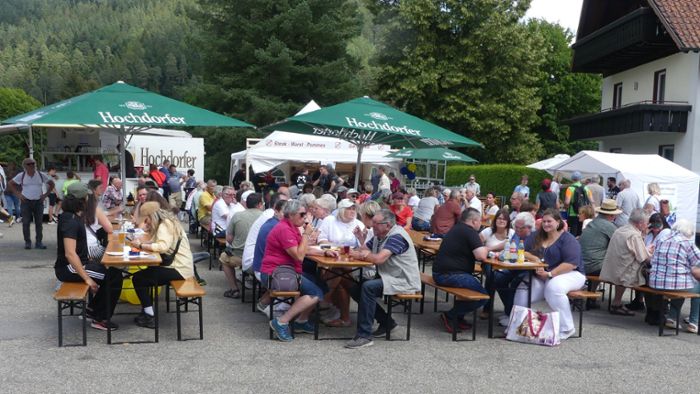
{"points": [[32, 209], [152, 276], [100, 309]]}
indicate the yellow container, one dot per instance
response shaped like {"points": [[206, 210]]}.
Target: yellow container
{"points": [[128, 293]]}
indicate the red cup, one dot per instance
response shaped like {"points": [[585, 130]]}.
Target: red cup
{"points": [[346, 250]]}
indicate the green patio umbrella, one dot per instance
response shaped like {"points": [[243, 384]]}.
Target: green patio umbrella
{"points": [[440, 154], [124, 109], [364, 122]]}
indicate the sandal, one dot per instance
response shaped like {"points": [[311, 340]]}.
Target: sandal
{"points": [[339, 323], [620, 310], [232, 293]]}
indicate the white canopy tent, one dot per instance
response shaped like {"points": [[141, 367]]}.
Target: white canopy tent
{"points": [[281, 147], [546, 163], [678, 184]]}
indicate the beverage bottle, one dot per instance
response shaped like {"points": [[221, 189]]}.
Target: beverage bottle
{"points": [[521, 252], [513, 252]]}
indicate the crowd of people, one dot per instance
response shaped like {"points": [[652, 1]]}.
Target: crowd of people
{"points": [[575, 229]]}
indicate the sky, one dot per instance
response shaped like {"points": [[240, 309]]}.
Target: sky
{"points": [[564, 12]]}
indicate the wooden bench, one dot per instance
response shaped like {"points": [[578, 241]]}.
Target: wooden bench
{"points": [[666, 296], [71, 295], [284, 297], [187, 292], [579, 298], [458, 293], [407, 301]]}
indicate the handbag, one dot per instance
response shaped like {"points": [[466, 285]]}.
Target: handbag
{"points": [[538, 328], [284, 278], [167, 259]]}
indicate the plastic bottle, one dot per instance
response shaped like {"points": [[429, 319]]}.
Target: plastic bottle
{"points": [[513, 252], [521, 252]]}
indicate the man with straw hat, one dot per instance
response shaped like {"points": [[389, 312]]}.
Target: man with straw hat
{"points": [[594, 241]]}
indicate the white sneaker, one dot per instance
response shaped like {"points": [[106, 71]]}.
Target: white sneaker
{"points": [[265, 310], [503, 320]]}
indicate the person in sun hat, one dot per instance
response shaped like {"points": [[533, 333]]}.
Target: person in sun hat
{"points": [[72, 263]]}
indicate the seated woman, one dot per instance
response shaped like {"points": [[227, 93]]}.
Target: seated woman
{"points": [[286, 245], [562, 253], [403, 213], [495, 239], [338, 230], [490, 209], [164, 235], [425, 210], [675, 256], [72, 263]]}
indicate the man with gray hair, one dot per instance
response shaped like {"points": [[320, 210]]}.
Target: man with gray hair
{"points": [[516, 200], [597, 191], [392, 251], [447, 214], [627, 201], [626, 259]]}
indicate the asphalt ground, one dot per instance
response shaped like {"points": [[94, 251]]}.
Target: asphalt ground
{"points": [[616, 354]]}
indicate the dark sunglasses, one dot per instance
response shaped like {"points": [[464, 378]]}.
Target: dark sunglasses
{"points": [[302, 214], [30, 164]]}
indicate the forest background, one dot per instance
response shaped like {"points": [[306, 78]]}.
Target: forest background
{"points": [[472, 66]]}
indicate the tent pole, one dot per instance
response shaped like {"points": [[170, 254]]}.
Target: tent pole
{"points": [[31, 143], [358, 166], [122, 161]]}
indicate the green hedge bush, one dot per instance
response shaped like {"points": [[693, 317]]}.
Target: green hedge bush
{"points": [[498, 178]]}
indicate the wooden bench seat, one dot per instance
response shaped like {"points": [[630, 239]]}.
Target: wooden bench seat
{"points": [[407, 301], [187, 292], [69, 296], [458, 293], [579, 297]]}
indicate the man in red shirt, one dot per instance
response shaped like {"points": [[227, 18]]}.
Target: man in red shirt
{"points": [[101, 172], [447, 215]]}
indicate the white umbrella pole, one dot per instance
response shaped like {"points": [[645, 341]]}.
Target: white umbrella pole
{"points": [[358, 165]]}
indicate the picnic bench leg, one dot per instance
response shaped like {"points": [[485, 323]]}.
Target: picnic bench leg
{"points": [[455, 325], [492, 297], [243, 275], [474, 325], [408, 328], [662, 317], [167, 298], [60, 325], [390, 305], [179, 327], [255, 300], [84, 323], [435, 300], [580, 318], [316, 320], [422, 300], [155, 311]]}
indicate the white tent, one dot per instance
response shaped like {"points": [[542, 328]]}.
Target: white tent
{"points": [[678, 184], [280, 147], [546, 163]]}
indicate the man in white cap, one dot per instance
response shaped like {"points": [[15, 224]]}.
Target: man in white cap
{"points": [[352, 195], [575, 197]]}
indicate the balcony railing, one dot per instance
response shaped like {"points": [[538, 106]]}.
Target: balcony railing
{"points": [[645, 116], [634, 39]]}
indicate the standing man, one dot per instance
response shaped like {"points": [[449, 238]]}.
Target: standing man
{"points": [[164, 169], [454, 266], [613, 190], [473, 186], [392, 251], [175, 181], [100, 172], [575, 197], [28, 186], [597, 191], [325, 179], [522, 188], [627, 201], [384, 181]]}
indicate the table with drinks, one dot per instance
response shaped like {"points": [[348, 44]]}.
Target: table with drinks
{"points": [[120, 256]]}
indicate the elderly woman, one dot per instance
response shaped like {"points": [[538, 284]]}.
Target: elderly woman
{"points": [[564, 273], [338, 230], [672, 264], [287, 246], [163, 235], [626, 259], [653, 202], [424, 210], [403, 213], [321, 209]]}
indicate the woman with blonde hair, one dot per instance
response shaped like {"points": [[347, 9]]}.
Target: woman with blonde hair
{"points": [[164, 235], [653, 202]]}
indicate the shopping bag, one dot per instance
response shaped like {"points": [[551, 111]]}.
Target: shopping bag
{"points": [[534, 327]]}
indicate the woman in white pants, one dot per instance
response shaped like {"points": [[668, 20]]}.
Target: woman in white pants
{"points": [[562, 253]]}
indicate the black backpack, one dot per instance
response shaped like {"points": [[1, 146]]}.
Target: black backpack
{"points": [[579, 198]]}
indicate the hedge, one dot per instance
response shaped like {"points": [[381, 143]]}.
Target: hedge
{"points": [[498, 178]]}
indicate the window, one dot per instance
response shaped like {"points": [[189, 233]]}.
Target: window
{"points": [[660, 86], [666, 151], [615, 150], [617, 95]]}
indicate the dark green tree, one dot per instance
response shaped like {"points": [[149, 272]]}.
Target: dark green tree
{"points": [[14, 102], [563, 94], [468, 65]]}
